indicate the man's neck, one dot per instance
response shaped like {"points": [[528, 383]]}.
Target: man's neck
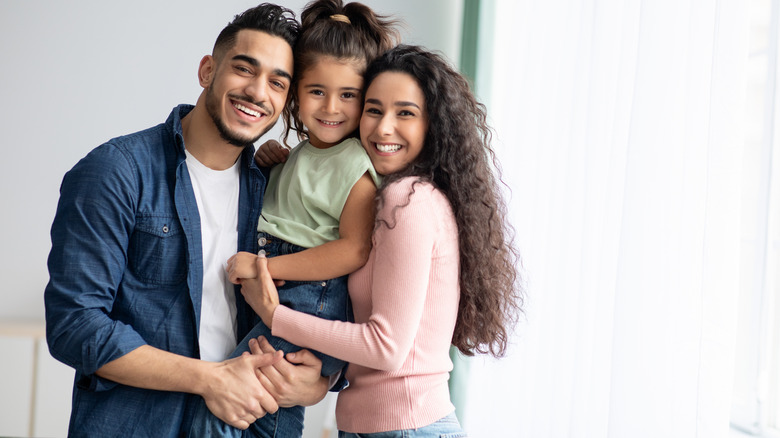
{"points": [[202, 140]]}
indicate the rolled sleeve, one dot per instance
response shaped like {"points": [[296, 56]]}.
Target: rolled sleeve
{"points": [[90, 234]]}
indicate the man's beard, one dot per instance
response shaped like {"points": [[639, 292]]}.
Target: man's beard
{"points": [[212, 107]]}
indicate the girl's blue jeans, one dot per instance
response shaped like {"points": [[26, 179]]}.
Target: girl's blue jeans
{"points": [[327, 299]]}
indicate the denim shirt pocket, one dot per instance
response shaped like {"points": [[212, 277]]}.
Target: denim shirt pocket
{"points": [[158, 250]]}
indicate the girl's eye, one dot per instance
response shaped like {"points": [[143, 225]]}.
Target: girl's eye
{"points": [[317, 92], [348, 95]]}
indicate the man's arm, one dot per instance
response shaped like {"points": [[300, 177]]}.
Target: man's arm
{"points": [[231, 388], [91, 234]]}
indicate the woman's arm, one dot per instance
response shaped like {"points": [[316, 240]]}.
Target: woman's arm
{"points": [[401, 270]]}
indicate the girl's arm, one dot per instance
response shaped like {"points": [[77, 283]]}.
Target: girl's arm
{"points": [[337, 257], [271, 153], [331, 259]]}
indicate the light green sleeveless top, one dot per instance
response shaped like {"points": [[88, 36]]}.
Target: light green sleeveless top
{"points": [[306, 194]]}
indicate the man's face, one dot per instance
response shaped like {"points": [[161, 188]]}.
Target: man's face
{"points": [[247, 86]]}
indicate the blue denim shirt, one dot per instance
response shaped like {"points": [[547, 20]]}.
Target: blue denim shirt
{"points": [[126, 270]]}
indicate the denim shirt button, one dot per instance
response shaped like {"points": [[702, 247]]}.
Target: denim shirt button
{"points": [[323, 284], [261, 241], [165, 228]]}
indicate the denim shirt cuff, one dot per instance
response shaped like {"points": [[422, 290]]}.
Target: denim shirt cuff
{"points": [[100, 351], [94, 383]]}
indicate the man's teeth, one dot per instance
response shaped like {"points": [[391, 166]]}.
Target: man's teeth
{"points": [[388, 147], [244, 109]]}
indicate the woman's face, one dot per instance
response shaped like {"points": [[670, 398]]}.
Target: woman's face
{"points": [[394, 121]]}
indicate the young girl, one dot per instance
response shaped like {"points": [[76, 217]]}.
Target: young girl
{"points": [[317, 215], [441, 270]]}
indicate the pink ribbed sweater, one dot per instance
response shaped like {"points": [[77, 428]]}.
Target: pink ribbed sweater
{"points": [[405, 301]]}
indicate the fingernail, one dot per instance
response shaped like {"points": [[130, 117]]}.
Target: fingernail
{"points": [[261, 253]]}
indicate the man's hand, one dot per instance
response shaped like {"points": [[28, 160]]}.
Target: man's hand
{"points": [[234, 394], [271, 153], [230, 388], [294, 381]]}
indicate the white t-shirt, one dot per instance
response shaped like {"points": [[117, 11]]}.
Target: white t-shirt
{"points": [[216, 192]]}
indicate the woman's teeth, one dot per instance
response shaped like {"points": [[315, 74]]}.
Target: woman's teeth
{"points": [[388, 147]]}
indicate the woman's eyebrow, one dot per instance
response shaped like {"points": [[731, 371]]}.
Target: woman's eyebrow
{"points": [[399, 103]]}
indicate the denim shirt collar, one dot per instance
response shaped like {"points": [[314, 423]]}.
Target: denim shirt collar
{"points": [[174, 125]]}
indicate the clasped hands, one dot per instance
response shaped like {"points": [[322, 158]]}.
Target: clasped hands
{"points": [[245, 388]]}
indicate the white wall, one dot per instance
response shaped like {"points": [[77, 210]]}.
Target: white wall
{"points": [[78, 73]]}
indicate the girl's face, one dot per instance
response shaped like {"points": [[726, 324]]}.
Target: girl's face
{"points": [[329, 100], [394, 121]]}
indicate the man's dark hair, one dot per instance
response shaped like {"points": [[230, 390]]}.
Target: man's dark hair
{"points": [[272, 19]]}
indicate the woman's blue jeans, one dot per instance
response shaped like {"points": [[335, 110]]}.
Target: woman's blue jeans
{"points": [[327, 299], [447, 427]]}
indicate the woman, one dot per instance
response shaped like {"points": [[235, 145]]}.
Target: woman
{"points": [[440, 271]]}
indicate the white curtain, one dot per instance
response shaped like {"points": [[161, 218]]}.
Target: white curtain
{"points": [[619, 129]]}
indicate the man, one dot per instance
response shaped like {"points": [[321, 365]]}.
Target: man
{"points": [[137, 293]]}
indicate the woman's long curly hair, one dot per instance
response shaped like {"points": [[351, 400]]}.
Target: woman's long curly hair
{"points": [[457, 158]]}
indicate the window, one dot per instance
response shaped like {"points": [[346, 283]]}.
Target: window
{"points": [[756, 398]]}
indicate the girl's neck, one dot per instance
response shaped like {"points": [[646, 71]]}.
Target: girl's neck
{"points": [[322, 145]]}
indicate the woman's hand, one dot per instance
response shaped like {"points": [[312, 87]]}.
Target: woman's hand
{"points": [[271, 153], [260, 293], [294, 381]]}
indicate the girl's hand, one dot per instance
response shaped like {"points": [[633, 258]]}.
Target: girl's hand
{"points": [[271, 153], [260, 293], [241, 266]]}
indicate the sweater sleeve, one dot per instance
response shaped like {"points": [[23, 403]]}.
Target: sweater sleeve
{"points": [[401, 263]]}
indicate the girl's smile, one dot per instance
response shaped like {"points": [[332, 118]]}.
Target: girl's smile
{"points": [[329, 101]]}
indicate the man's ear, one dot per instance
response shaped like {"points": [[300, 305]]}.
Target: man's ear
{"points": [[206, 71]]}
